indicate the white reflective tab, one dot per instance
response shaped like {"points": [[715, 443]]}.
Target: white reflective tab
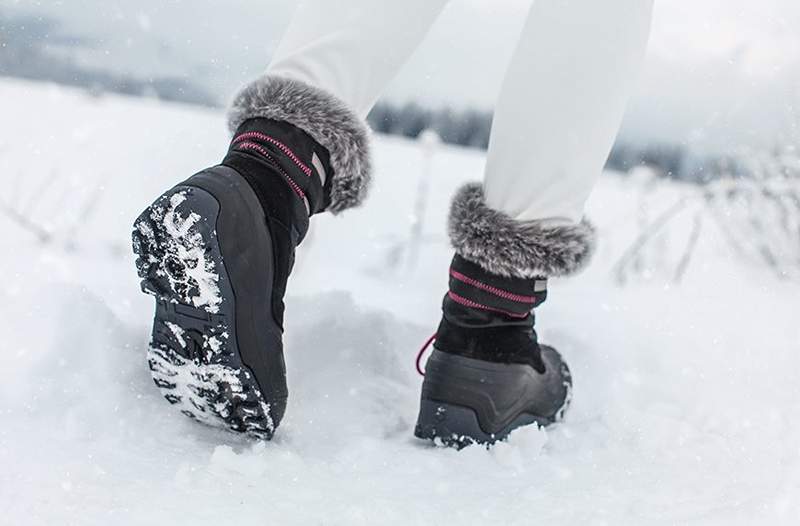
{"points": [[540, 285], [320, 169]]}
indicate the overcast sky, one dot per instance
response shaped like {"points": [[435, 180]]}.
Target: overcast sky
{"points": [[718, 73]]}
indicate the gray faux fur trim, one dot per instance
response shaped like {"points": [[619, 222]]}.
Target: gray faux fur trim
{"points": [[326, 118], [507, 247]]}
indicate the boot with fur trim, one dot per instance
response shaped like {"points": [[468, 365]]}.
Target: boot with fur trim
{"points": [[488, 374], [217, 249]]}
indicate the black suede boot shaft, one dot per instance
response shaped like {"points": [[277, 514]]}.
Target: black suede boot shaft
{"points": [[290, 174], [280, 148], [489, 317]]}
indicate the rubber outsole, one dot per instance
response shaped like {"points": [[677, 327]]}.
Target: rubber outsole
{"points": [[194, 355]]}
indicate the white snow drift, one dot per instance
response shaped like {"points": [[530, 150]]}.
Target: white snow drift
{"points": [[686, 407]]}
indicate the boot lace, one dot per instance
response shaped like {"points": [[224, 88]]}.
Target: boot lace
{"points": [[421, 353]]}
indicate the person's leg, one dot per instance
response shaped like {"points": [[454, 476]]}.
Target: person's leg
{"points": [[561, 105], [558, 113], [559, 110], [352, 48], [216, 250]]}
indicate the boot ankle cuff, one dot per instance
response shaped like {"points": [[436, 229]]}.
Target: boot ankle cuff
{"points": [[516, 249], [325, 118]]}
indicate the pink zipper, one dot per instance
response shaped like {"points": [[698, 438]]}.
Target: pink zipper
{"points": [[257, 148], [474, 305], [282, 147], [493, 290]]}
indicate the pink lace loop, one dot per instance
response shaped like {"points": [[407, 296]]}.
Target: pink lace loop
{"points": [[421, 353]]}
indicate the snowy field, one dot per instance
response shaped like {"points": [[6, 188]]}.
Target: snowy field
{"points": [[687, 399]]}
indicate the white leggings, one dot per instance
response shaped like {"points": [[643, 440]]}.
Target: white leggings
{"points": [[559, 108]]}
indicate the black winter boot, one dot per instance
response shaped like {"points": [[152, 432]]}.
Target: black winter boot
{"points": [[488, 374], [217, 249]]}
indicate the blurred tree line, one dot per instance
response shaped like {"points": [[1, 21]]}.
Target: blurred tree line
{"points": [[468, 127], [36, 48]]}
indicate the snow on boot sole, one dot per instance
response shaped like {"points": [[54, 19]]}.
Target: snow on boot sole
{"points": [[205, 253]]}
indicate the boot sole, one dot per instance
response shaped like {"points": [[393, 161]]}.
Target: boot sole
{"points": [[457, 426], [205, 254]]}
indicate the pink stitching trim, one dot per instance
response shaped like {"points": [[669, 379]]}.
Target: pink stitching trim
{"points": [[272, 140], [265, 153], [469, 303], [488, 288]]}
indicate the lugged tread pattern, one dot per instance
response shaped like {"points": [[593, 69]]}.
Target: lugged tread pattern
{"points": [[193, 354]]}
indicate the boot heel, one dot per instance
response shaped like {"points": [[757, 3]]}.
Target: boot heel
{"points": [[452, 425]]}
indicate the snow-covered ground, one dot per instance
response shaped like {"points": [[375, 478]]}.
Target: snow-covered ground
{"points": [[686, 409]]}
